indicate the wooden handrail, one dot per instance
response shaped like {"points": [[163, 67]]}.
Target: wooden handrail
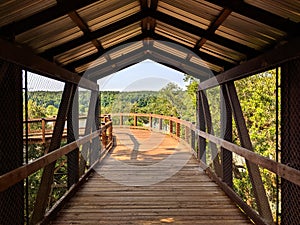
{"points": [[282, 170], [19, 174]]}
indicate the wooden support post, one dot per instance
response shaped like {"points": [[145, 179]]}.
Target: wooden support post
{"points": [[135, 120], [255, 176], [171, 127], [201, 126], [11, 144], [104, 138], [178, 130], [226, 134], [72, 135], [160, 124], [121, 120], [193, 139], [186, 133], [150, 121], [47, 177], [208, 121], [43, 130], [290, 142]]}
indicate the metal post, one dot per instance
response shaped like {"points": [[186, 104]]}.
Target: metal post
{"points": [[255, 177], [290, 142], [226, 134], [11, 144], [47, 177], [208, 122], [201, 126], [72, 135]]}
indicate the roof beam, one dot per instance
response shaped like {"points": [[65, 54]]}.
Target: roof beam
{"points": [[50, 53], [85, 29], [213, 27], [250, 52], [92, 57], [136, 57], [268, 60], [258, 14], [204, 56], [167, 58], [198, 71], [62, 8], [98, 71], [18, 55], [95, 56]]}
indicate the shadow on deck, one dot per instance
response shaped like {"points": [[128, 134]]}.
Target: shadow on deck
{"points": [[150, 178]]}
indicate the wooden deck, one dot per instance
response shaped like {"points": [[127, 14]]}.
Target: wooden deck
{"points": [[150, 178]]}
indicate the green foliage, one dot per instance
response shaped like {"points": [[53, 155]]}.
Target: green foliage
{"points": [[170, 100]]}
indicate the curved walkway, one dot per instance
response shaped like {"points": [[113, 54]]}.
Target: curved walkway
{"points": [[150, 178]]}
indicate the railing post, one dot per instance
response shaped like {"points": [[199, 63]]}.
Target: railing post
{"points": [[160, 124], [171, 126], [178, 129], [135, 120], [150, 121], [121, 120], [43, 130], [104, 137], [193, 138], [186, 133]]}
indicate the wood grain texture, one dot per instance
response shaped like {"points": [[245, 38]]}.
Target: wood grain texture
{"points": [[115, 193]]}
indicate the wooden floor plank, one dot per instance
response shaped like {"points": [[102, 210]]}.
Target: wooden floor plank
{"points": [[132, 186]]}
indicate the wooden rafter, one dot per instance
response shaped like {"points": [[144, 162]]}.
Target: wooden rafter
{"points": [[84, 27], [258, 14], [250, 52], [202, 55], [54, 12], [213, 27]]}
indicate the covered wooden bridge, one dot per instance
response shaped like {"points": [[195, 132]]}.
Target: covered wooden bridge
{"points": [[78, 42]]}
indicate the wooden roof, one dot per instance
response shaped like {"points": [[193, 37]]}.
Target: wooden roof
{"points": [[202, 38]]}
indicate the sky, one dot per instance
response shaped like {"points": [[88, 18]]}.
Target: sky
{"points": [[146, 75]]}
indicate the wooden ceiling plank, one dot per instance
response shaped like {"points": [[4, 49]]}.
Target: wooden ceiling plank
{"points": [[47, 15], [71, 66], [258, 14], [50, 53], [250, 52]]}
